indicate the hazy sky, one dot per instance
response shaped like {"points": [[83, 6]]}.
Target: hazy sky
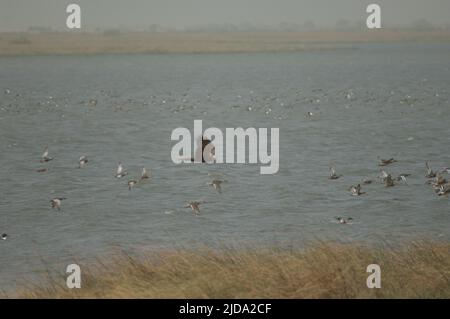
{"points": [[21, 14]]}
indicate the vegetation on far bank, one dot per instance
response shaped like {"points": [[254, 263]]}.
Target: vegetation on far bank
{"points": [[116, 42]]}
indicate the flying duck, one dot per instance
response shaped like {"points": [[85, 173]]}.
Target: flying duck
{"points": [[343, 220], [45, 158], [82, 161], [402, 177], [438, 181], [384, 175], [388, 181], [206, 158], [430, 173], [56, 202], [386, 162], [131, 184], [217, 185], [356, 190], [120, 171], [333, 174], [195, 206], [443, 190], [144, 174]]}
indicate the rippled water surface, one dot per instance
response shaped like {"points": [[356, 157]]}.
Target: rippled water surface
{"points": [[368, 101]]}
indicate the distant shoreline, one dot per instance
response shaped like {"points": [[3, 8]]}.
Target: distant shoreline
{"points": [[116, 42]]}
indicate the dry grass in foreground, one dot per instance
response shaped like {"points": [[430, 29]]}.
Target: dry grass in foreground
{"points": [[321, 271]]}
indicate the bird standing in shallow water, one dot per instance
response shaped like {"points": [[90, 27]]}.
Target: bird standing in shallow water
{"points": [[56, 202]]}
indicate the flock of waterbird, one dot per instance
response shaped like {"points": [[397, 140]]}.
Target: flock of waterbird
{"points": [[436, 179], [56, 203], [438, 182], [121, 172]]}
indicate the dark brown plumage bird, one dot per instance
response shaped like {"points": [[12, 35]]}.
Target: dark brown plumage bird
{"points": [[200, 152], [386, 162], [195, 206]]}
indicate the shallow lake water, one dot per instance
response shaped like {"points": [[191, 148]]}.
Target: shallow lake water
{"points": [[368, 101]]}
